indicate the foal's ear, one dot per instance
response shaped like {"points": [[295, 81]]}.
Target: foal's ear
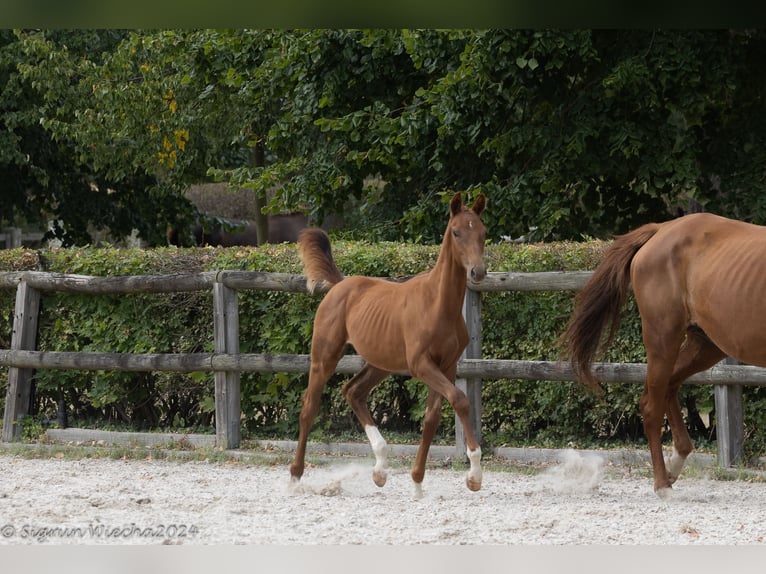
{"points": [[456, 204], [479, 204]]}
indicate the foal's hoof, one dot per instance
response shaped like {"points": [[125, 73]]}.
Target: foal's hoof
{"points": [[379, 477], [473, 484], [664, 493], [294, 487], [672, 476]]}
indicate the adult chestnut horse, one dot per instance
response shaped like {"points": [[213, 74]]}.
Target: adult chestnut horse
{"points": [[416, 326], [699, 283]]}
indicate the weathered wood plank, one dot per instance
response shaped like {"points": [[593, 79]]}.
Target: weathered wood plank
{"points": [[120, 284], [730, 422], [537, 281], [11, 279], [94, 361], [470, 386], [605, 372], [351, 364], [24, 337], [170, 362], [260, 281], [227, 387]]}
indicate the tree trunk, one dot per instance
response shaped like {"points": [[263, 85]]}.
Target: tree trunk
{"points": [[261, 219]]}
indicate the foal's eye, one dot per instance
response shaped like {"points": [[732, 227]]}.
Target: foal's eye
{"points": [[455, 233]]}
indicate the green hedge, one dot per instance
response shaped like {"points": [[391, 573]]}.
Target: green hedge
{"points": [[515, 326]]}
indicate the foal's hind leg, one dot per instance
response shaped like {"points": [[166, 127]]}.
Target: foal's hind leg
{"points": [[324, 358], [430, 424], [356, 391], [697, 354]]}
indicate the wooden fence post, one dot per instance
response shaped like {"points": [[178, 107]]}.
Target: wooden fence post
{"points": [[471, 387], [730, 425], [24, 337], [227, 395], [12, 237]]}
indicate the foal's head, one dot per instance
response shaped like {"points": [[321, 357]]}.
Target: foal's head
{"points": [[466, 233]]}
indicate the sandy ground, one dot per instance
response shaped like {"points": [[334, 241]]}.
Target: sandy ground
{"points": [[578, 501]]}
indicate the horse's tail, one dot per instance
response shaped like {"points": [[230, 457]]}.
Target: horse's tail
{"points": [[598, 305], [316, 254]]}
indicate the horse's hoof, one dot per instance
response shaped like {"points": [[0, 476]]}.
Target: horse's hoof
{"points": [[294, 487], [472, 484], [379, 477], [664, 492]]}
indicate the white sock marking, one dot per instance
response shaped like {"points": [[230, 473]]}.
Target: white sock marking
{"points": [[474, 457], [675, 464], [379, 446]]}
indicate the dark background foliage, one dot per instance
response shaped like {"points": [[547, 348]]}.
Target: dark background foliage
{"points": [[573, 132]]}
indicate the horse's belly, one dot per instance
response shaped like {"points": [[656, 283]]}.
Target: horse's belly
{"points": [[730, 307], [743, 342], [394, 354], [383, 356]]}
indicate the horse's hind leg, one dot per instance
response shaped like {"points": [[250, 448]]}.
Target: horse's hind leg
{"points": [[430, 424], [322, 366], [697, 354], [662, 350], [356, 391]]}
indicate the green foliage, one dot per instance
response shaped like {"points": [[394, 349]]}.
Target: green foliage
{"points": [[32, 428], [515, 326], [48, 177], [569, 132]]}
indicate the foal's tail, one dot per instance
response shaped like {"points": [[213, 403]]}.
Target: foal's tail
{"points": [[599, 304], [316, 254]]}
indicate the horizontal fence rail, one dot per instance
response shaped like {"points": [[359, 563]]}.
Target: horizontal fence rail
{"points": [[351, 364], [258, 280], [22, 359]]}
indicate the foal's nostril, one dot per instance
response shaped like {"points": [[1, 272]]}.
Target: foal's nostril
{"points": [[478, 273]]}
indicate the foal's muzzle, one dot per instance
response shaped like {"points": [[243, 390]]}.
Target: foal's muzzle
{"points": [[477, 273]]}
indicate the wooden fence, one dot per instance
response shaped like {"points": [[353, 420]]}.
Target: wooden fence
{"points": [[226, 362], [12, 237]]}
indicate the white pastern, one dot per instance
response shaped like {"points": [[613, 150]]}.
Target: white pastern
{"points": [[380, 449], [665, 493], [674, 465], [474, 473]]}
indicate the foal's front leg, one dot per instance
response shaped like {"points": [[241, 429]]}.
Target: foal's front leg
{"points": [[440, 386]]}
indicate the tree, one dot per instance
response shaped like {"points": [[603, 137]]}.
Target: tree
{"points": [[569, 132], [160, 107], [42, 178]]}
